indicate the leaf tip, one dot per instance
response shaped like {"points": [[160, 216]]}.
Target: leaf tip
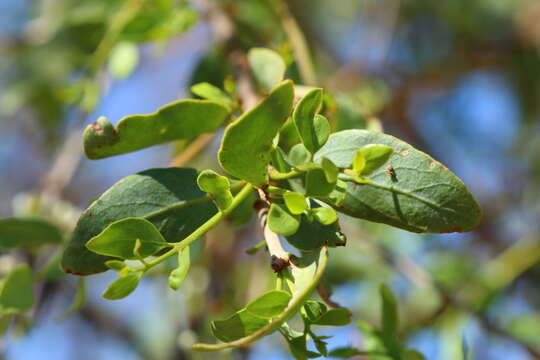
{"points": [[98, 134]]}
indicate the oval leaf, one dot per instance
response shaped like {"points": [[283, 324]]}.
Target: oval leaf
{"points": [[122, 287], [295, 202], [281, 221], [375, 156], [27, 233], [239, 325], [269, 304], [16, 294], [389, 310], [183, 119], [419, 194], [314, 310], [312, 235], [331, 171], [317, 184], [321, 127], [303, 117], [169, 198], [119, 238], [299, 155], [247, 142], [210, 92], [267, 66], [335, 317], [325, 215]]}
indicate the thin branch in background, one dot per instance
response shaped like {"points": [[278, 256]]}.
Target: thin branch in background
{"points": [[298, 43], [192, 150], [63, 168]]}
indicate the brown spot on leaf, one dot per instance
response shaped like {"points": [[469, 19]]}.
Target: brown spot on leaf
{"points": [[405, 153], [432, 164], [96, 127]]}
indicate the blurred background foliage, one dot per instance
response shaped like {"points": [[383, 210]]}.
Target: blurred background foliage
{"points": [[458, 79]]}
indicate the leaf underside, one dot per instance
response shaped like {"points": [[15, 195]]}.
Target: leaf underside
{"points": [[417, 193]]}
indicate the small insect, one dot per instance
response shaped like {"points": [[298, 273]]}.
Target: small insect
{"points": [[390, 171]]}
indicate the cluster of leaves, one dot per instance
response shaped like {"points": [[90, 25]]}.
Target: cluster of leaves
{"points": [[154, 215], [78, 40]]}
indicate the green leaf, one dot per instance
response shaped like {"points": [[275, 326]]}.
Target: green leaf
{"points": [[169, 198], [334, 317], [321, 129], [16, 294], [120, 237], [269, 304], [78, 300], [280, 160], [281, 221], [376, 155], [358, 163], [390, 314], [27, 233], [316, 183], [178, 275], [306, 272], [239, 325], [116, 265], [210, 92], [325, 215], [345, 352], [123, 60], [243, 213], [217, 186], [320, 345], [299, 155], [183, 119], [421, 195], [313, 133], [339, 193], [297, 343], [314, 310], [247, 142], [123, 286], [312, 235], [411, 354], [331, 171], [376, 343], [295, 202], [267, 66]]}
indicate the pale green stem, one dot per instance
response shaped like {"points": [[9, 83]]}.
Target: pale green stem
{"points": [[276, 175], [201, 230], [296, 303]]}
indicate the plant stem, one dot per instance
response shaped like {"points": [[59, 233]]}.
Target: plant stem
{"points": [[201, 230], [276, 175], [296, 303]]}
